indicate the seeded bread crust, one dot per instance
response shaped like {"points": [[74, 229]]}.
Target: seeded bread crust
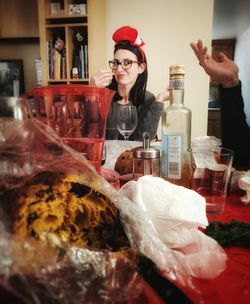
{"points": [[74, 212], [124, 163]]}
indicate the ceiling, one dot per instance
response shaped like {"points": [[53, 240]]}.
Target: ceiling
{"points": [[231, 18]]}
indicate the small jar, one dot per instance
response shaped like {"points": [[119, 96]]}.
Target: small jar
{"points": [[75, 74], [146, 159]]}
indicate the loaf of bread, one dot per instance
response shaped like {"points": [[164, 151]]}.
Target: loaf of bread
{"points": [[74, 212], [124, 163]]}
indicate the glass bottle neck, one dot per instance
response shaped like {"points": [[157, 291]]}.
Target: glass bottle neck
{"points": [[176, 97], [176, 91]]}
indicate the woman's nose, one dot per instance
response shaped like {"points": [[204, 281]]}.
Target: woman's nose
{"points": [[119, 68]]}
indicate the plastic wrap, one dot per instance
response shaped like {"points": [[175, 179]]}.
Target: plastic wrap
{"points": [[39, 273], [175, 214], [67, 274]]}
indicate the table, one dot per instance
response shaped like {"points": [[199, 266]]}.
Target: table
{"points": [[232, 285]]}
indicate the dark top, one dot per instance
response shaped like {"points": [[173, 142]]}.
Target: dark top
{"points": [[148, 118], [234, 128]]}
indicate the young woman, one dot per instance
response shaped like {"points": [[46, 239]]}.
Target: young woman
{"points": [[128, 77], [234, 128]]}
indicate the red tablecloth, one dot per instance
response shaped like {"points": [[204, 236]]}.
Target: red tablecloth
{"points": [[232, 285]]}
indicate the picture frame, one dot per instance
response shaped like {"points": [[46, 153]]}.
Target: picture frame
{"points": [[11, 77]]}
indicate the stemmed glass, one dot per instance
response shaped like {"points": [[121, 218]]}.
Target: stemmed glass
{"points": [[126, 120]]}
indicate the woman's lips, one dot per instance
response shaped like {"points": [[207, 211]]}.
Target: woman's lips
{"points": [[121, 77]]}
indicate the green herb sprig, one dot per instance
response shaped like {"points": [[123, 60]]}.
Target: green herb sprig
{"points": [[235, 233]]}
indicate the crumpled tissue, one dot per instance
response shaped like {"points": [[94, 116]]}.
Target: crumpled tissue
{"points": [[244, 184], [175, 213], [206, 142]]}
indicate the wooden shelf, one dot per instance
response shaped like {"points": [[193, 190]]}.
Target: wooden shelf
{"points": [[66, 25], [68, 80], [66, 16], [73, 30], [93, 25]]}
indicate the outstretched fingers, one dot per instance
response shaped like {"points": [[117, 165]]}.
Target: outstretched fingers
{"points": [[201, 53]]}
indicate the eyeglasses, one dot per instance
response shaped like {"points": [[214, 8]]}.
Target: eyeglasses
{"points": [[125, 64]]}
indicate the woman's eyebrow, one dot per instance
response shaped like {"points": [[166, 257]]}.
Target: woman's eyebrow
{"points": [[124, 59]]}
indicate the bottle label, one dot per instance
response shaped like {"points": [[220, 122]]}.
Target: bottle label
{"points": [[172, 156], [176, 84]]}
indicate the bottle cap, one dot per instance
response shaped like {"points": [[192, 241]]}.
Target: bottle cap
{"points": [[146, 152], [177, 69]]}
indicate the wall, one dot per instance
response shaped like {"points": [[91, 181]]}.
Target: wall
{"points": [[243, 60], [96, 34], [231, 18], [167, 28]]}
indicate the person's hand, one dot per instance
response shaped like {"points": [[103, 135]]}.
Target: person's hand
{"points": [[163, 96], [225, 71], [102, 78]]}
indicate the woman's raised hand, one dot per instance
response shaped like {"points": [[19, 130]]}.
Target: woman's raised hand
{"points": [[225, 71], [163, 96], [102, 78]]}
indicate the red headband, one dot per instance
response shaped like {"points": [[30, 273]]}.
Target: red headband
{"points": [[130, 34]]}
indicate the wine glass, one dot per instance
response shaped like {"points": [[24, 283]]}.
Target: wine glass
{"points": [[126, 120]]}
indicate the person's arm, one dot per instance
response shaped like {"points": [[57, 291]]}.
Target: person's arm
{"points": [[234, 128], [148, 117], [225, 71]]}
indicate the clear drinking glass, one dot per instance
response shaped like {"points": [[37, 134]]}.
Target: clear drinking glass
{"points": [[210, 173], [126, 120]]}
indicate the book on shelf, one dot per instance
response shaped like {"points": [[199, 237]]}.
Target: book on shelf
{"points": [[82, 63], [86, 61], [63, 68], [56, 62], [81, 67]]}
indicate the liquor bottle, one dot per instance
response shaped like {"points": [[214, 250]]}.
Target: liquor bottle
{"points": [[176, 131]]}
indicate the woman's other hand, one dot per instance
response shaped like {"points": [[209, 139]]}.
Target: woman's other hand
{"points": [[224, 72], [102, 78], [163, 96]]}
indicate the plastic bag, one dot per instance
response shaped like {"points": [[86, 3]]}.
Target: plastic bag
{"points": [[28, 148], [175, 213], [39, 273]]}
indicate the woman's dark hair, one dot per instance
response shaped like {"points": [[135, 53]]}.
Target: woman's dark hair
{"points": [[137, 93]]}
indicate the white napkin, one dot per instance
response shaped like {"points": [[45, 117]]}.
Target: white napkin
{"points": [[174, 210], [175, 213], [244, 184], [114, 148], [206, 142]]}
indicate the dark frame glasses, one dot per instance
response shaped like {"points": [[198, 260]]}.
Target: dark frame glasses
{"points": [[126, 64]]}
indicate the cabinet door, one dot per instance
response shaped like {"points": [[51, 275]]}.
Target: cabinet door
{"points": [[226, 46], [214, 124], [18, 18]]}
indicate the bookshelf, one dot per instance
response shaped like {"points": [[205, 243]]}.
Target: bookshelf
{"points": [[65, 29]]}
